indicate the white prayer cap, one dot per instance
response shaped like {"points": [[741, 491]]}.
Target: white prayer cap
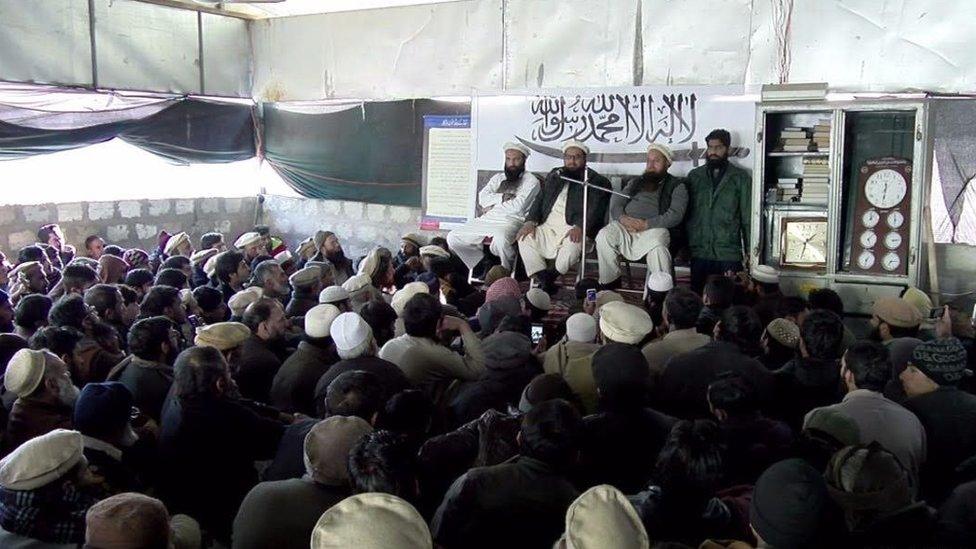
{"points": [[372, 521], [765, 274], [513, 146], [663, 149], [247, 239], [210, 266], [41, 460], [318, 320], [403, 295], [581, 327], [539, 299], [333, 294], [174, 242], [574, 143], [624, 323], [660, 281], [434, 251], [25, 372], [349, 331]]}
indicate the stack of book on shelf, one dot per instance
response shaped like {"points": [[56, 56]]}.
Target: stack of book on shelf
{"points": [[821, 135], [815, 181], [787, 189], [796, 139]]}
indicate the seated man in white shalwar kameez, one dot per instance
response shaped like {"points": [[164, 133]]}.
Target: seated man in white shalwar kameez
{"points": [[505, 200]]}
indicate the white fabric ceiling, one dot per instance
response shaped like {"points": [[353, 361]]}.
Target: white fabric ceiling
{"points": [[262, 10]]}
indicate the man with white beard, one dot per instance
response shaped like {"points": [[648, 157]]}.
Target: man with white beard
{"points": [[505, 199], [45, 396]]}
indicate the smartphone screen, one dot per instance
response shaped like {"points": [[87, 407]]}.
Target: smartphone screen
{"points": [[193, 320], [591, 294], [536, 333]]}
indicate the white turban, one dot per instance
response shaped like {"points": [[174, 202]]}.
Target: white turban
{"points": [[513, 146]]}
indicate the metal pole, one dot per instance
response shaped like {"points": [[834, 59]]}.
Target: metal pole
{"points": [[586, 193]]}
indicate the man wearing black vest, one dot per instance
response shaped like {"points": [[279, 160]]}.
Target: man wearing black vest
{"points": [[641, 224]]}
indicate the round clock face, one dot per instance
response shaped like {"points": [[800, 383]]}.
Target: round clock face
{"points": [[806, 242], [870, 218], [885, 188], [865, 260], [895, 220], [868, 239], [890, 261], [892, 241]]}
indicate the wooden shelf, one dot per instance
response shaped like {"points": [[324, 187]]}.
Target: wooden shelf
{"points": [[798, 153]]}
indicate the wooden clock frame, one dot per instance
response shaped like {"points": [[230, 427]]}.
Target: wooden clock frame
{"points": [[904, 207]]}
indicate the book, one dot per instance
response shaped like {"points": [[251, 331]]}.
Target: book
{"points": [[797, 141], [782, 180], [794, 135], [824, 134], [797, 148]]}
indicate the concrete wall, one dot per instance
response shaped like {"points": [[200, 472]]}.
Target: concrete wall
{"points": [[128, 223], [360, 226]]}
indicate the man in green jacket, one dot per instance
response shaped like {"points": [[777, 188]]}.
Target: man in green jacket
{"points": [[720, 200]]}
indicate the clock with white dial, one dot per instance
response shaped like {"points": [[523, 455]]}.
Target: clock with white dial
{"points": [[885, 188], [892, 241], [890, 261], [869, 239], [865, 260], [870, 219], [804, 242], [895, 219]]}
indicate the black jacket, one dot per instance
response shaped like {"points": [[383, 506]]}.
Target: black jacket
{"points": [[293, 388], [597, 202], [804, 384], [520, 503], [256, 369], [682, 388], [949, 417], [208, 447], [620, 448], [391, 377]]}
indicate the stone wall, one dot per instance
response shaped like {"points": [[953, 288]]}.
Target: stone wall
{"points": [[128, 223], [360, 226]]}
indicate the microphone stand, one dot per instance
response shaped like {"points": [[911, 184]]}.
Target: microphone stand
{"points": [[586, 188]]}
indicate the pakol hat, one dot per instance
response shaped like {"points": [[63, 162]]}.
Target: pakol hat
{"points": [[25, 371], [222, 335], [414, 239], [624, 323], [327, 448], [434, 251], [404, 294], [896, 312], [247, 239], [175, 242], [333, 294], [372, 521], [305, 277], [318, 320], [126, 521], [201, 256], [41, 460]]}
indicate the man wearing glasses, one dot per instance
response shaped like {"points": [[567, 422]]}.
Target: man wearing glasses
{"points": [[553, 228]]}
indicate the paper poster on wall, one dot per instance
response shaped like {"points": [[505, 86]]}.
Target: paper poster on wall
{"points": [[447, 190], [617, 124]]}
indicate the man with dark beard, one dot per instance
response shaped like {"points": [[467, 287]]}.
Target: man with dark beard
{"points": [[148, 372], [718, 218], [504, 200], [641, 224], [329, 249], [553, 228]]}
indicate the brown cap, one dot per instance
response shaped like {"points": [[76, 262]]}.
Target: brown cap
{"points": [[896, 312], [127, 521]]}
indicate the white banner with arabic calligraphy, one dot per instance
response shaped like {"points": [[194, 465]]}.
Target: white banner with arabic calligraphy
{"points": [[617, 124]]}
